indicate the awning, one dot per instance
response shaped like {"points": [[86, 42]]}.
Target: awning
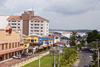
{"points": [[45, 46], [49, 45], [40, 47], [11, 50]]}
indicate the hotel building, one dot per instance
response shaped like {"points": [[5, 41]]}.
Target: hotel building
{"points": [[28, 23], [10, 43]]}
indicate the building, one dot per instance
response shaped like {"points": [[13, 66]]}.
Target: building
{"points": [[10, 43], [56, 38], [28, 23], [35, 43]]}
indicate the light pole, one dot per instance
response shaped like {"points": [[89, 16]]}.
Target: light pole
{"points": [[97, 51]]}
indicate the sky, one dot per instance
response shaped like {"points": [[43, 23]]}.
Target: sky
{"points": [[62, 14]]}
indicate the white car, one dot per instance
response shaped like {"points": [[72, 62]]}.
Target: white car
{"points": [[17, 57]]}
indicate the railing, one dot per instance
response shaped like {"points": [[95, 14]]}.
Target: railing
{"points": [[29, 59]]}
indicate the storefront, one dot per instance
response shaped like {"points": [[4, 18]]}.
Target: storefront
{"points": [[9, 43]]}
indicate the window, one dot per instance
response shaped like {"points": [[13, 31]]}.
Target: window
{"points": [[56, 37], [41, 34], [28, 39], [38, 21], [35, 21], [31, 21], [50, 41], [25, 45], [36, 27], [9, 21], [36, 24], [31, 27], [18, 24], [18, 21], [13, 27], [35, 31], [15, 21], [40, 41], [35, 40], [41, 27], [18, 27], [31, 30], [41, 30], [41, 24], [41, 21], [31, 24], [9, 24], [30, 44], [32, 40]]}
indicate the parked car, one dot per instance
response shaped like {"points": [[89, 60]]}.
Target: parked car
{"points": [[28, 54], [17, 57], [77, 57], [24, 55], [82, 48], [90, 65]]}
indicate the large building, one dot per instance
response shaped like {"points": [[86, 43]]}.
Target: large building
{"points": [[10, 43], [27, 22]]}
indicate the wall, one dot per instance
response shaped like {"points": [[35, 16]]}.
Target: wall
{"points": [[3, 21], [29, 60]]}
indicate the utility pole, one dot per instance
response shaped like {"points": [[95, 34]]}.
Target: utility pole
{"points": [[97, 51], [98, 57], [54, 60], [58, 58], [39, 60]]}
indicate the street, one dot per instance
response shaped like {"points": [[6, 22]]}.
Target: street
{"points": [[85, 58]]}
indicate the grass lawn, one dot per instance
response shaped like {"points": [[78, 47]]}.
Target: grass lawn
{"points": [[46, 61]]}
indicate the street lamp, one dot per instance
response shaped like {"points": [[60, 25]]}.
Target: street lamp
{"points": [[97, 51]]}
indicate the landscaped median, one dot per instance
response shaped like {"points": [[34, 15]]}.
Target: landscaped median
{"points": [[67, 58]]}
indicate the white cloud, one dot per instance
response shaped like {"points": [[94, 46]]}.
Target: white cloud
{"points": [[63, 14]]}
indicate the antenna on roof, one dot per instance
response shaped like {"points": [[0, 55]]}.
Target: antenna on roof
{"points": [[32, 8]]}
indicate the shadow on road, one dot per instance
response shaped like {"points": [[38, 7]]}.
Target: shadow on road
{"points": [[86, 66]]}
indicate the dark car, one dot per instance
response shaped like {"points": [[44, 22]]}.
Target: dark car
{"points": [[29, 54], [24, 55], [90, 65]]}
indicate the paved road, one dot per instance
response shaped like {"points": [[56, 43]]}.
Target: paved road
{"points": [[85, 58]]}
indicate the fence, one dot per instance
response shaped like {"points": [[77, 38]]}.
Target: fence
{"points": [[28, 60]]}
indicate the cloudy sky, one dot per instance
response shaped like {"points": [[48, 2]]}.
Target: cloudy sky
{"points": [[63, 14]]}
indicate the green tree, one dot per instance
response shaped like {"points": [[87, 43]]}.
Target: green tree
{"points": [[92, 36], [73, 38], [82, 42]]}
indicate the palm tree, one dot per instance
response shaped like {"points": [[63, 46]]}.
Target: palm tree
{"points": [[73, 38]]}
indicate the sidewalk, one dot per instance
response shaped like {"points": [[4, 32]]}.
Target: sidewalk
{"points": [[14, 61], [76, 63]]}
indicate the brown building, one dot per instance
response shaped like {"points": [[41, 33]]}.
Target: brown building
{"points": [[9, 43]]}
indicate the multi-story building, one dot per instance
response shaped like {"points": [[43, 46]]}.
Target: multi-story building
{"points": [[10, 43], [28, 23]]}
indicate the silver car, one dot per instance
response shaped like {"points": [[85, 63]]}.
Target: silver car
{"points": [[17, 57]]}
